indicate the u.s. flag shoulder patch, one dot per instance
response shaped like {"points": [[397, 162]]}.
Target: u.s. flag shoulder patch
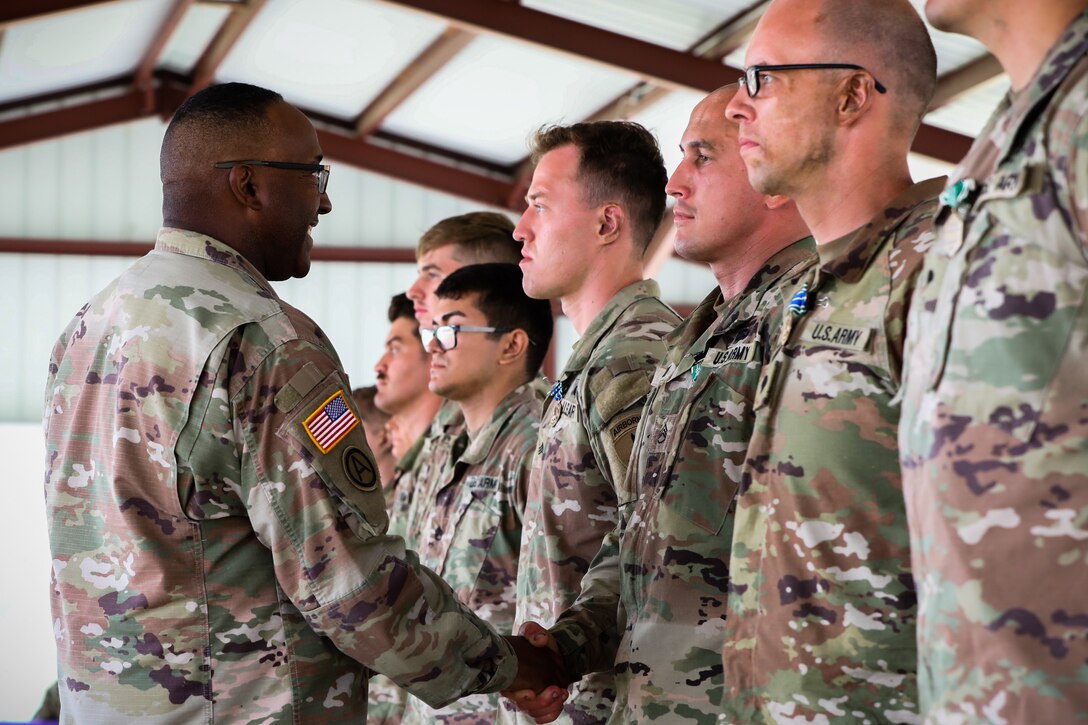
{"points": [[332, 420]]}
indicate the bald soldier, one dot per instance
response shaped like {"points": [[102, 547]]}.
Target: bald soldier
{"points": [[994, 440], [822, 601], [653, 605], [215, 519]]}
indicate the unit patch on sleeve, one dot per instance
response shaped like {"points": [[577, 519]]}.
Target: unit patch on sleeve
{"points": [[332, 420]]}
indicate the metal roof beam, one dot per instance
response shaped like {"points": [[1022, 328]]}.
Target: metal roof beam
{"points": [[83, 117], [367, 155], [240, 17], [362, 153], [12, 11], [954, 84], [414, 75], [651, 62], [145, 82]]}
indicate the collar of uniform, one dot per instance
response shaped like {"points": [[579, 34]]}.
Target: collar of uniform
{"points": [[715, 314], [782, 262], [1060, 60], [195, 244], [849, 256], [605, 319], [480, 445]]}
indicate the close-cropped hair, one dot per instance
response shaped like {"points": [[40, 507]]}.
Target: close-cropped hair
{"points": [[503, 302], [618, 161], [895, 35], [477, 237], [400, 307], [223, 111]]}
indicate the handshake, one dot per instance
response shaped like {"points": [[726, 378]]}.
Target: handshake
{"points": [[540, 687]]}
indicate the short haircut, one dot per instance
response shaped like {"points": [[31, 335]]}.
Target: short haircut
{"points": [[502, 300], [400, 307], [218, 116], [618, 161], [478, 237], [892, 33]]}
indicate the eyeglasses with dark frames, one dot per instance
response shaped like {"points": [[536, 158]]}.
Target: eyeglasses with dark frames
{"points": [[750, 79], [321, 171], [447, 334]]}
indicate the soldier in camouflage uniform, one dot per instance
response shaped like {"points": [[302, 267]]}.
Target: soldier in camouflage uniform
{"points": [[215, 519], [822, 604], [596, 198], [403, 373], [473, 238], [654, 602], [994, 438], [469, 517]]}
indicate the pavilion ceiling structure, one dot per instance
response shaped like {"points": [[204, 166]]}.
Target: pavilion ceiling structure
{"points": [[438, 93]]}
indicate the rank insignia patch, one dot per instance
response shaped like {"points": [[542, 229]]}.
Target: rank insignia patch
{"points": [[328, 425]]}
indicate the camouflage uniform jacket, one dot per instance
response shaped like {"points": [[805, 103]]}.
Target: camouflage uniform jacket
{"points": [[398, 497], [994, 440], [417, 467], [215, 516], [471, 531], [444, 439], [667, 564], [822, 603], [586, 436]]}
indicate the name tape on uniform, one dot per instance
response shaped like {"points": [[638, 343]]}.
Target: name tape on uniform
{"points": [[840, 336]]}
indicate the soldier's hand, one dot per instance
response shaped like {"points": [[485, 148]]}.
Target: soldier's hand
{"points": [[540, 696]]}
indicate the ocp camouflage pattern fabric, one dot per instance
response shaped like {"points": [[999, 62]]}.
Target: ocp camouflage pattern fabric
{"points": [[994, 439], [822, 606], [213, 562]]}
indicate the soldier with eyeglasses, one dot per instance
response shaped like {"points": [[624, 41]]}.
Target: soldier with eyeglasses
{"points": [[216, 519], [486, 342], [822, 599]]}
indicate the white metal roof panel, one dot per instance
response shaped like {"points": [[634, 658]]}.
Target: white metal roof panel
{"points": [[77, 48], [194, 33], [667, 119], [489, 99], [676, 24], [969, 113], [330, 56]]}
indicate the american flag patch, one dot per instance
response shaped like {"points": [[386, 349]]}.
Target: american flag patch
{"points": [[328, 425]]}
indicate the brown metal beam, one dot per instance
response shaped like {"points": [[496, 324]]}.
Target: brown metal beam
{"points": [[100, 248], [731, 34], [12, 11], [144, 79], [367, 155], [941, 144], [963, 79], [84, 117], [240, 17], [415, 74], [653, 63]]}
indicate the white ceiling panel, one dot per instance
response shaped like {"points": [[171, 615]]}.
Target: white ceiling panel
{"points": [[969, 113], [329, 56], [195, 32], [667, 119], [73, 49], [676, 24], [953, 50], [489, 99]]}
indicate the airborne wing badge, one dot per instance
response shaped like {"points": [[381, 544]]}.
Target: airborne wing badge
{"points": [[332, 420]]}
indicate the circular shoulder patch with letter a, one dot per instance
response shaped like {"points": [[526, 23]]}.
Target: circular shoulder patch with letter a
{"points": [[359, 469]]}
